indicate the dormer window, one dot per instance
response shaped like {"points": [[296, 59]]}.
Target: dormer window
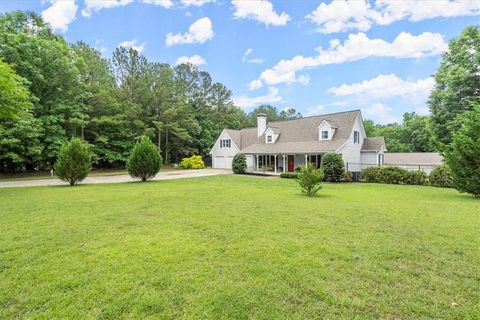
{"points": [[269, 139], [356, 137], [325, 135], [225, 143]]}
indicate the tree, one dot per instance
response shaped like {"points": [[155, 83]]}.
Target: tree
{"points": [[74, 162], [290, 114], [369, 126], [239, 163], [15, 96], [333, 167], [416, 133], [272, 114], [457, 84], [145, 160], [310, 179], [463, 155]]}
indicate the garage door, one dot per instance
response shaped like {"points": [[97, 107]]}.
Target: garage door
{"points": [[229, 162], [219, 163]]}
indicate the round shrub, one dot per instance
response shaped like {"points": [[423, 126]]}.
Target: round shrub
{"points": [[416, 177], [392, 175], [194, 162], [239, 164], [440, 177], [74, 162], [333, 167], [348, 176], [145, 160], [371, 174], [310, 179]]}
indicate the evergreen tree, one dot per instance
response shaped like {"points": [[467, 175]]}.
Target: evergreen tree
{"points": [[145, 160], [74, 162]]}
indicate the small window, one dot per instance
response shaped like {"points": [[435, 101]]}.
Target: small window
{"points": [[225, 143], [269, 139], [356, 137], [229, 143], [324, 134]]}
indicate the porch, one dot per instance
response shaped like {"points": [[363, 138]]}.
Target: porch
{"points": [[278, 163]]}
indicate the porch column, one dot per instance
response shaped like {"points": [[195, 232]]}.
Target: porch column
{"points": [[275, 165], [306, 159], [256, 163], [283, 163]]}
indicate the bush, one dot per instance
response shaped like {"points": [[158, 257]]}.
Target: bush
{"points": [[347, 176], [74, 162], [194, 162], [239, 164], [371, 174], [289, 175], [416, 177], [333, 167], [392, 175], [145, 160], [310, 179], [440, 177]]}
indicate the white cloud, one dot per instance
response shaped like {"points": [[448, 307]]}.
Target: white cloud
{"points": [[162, 3], [195, 59], [246, 102], [255, 84], [198, 32], [134, 44], [380, 113], [386, 86], [261, 11], [339, 16], [60, 14], [315, 110], [251, 60], [196, 3], [97, 5], [356, 46]]}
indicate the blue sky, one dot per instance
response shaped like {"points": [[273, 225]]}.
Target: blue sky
{"points": [[315, 56]]}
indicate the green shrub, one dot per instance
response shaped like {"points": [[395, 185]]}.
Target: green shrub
{"points": [[417, 177], [440, 177], [348, 176], [310, 179], [333, 167], [289, 175], [194, 162], [145, 160], [239, 163], [392, 175], [74, 162], [371, 174]]}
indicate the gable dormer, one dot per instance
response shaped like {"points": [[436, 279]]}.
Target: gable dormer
{"points": [[326, 130], [271, 135]]}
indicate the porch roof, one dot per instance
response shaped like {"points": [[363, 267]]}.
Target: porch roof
{"points": [[304, 147]]}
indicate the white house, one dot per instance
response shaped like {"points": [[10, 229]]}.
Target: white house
{"points": [[282, 146]]}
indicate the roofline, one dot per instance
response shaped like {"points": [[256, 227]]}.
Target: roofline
{"points": [[319, 115]]}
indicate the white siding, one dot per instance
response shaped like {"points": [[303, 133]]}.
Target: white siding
{"points": [[222, 157], [250, 163], [351, 151]]}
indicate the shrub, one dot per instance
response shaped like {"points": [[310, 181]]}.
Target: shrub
{"points": [[194, 162], [74, 162], [463, 154], [239, 164], [440, 177], [348, 176], [310, 179], [392, 175], [145, 160], [371, 174], [289, 175], [333, 167], [416, 177]]}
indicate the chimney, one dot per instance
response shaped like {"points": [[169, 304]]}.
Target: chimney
{"points": [[261, 123]]}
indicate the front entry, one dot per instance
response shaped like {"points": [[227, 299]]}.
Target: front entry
{"points": [[291, 163]]}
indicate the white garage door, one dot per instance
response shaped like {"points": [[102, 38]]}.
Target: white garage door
{"points": [[229, 162], [219, 163]]}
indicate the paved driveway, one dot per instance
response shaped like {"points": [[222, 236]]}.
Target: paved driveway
{"points": [[167, 175]]}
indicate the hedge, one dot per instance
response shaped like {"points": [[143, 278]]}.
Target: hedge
{"points": [[394, 175], [289, 175], [441, 177]]}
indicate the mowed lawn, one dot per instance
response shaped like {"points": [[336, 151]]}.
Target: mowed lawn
{"points": [[237, 247]]}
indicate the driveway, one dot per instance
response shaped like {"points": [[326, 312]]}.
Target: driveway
{"points": [[168, 175]]}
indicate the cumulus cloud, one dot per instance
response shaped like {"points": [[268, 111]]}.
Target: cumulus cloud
{"points": [[246, 58], [60, 14], [162, 3], [195, 59], [315, 110], [195, 3], [386, 86], [246, 102], [261, 11], [356, 46], [255, 84], [340, 16], [134, 44], [198, 32], [380, 113], [97, 5]]}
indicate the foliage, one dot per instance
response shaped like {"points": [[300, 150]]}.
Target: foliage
{"points": [[194, 162], [333, 167], [348, 176], [394, 175], [145, 160], [15, 97], [371, 174], [457, 84], [310, 179], [463, 155], [440, 177], [416, 177], [74, 162], [289, 175], [272, 114], [239, 163]]}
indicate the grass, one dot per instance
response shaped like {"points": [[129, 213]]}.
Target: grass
{"points": [[232, 247]]}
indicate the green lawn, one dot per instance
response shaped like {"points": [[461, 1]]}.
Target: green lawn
{"points": [[238, 247]]}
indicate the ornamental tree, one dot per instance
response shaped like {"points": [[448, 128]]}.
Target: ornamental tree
{"points": [[74, 162], [145, 160]]}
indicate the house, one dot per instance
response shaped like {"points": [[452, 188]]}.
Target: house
{"points": [[425, 161], [282, 146]]}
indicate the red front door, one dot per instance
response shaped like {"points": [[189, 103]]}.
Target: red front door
{"points": [[291, 163]]}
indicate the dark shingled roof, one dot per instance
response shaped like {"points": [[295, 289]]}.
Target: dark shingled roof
{"points": [[373, 144]]}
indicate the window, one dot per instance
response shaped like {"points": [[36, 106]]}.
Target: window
{"points": [[356, 137], [225, 143], [324, 134], [380, 159], [269, 139]]}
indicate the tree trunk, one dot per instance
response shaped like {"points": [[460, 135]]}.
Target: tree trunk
{"points": [[166, 145], [159, 140]]}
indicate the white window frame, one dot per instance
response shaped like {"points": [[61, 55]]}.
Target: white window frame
{"points": [[356, 136], [323, 137], [269, 138], [225, 143]]}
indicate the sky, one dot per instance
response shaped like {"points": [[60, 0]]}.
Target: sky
{"points": [[315, 56]]}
